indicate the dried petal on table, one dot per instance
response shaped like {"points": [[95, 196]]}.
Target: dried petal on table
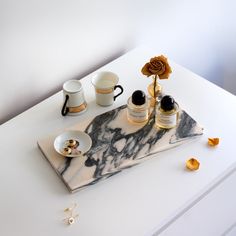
{"points": [[213, 141], [192, 164]]}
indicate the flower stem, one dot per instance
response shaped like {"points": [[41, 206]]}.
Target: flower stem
{"points": [[154, 87]]}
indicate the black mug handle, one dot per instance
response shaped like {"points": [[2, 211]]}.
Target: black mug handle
{"points": [[65, 109], [121, 91]]}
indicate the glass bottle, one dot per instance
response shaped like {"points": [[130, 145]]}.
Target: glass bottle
{"points": [[167, 113], [138, 107]]}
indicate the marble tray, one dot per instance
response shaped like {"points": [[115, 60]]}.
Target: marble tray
{"points": [[116, 145]]}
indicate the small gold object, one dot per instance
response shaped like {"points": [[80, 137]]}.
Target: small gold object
{"points": [[68, 209], [71, 143], [192, 164], [66, 151], [71, 218], [213, 141], [70, 148]]}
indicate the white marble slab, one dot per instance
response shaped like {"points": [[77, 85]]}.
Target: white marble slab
{"points": [[116, 145]]}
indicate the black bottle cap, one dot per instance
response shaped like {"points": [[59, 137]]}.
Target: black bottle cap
{"points": [[167, 103], [138, 97]]}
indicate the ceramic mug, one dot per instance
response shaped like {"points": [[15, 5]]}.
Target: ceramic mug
{"points": [[73, 96], [105, 83]]}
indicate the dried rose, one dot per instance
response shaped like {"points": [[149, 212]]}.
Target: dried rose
{"points": [[213, 141], [157, 66], [192, 164]]}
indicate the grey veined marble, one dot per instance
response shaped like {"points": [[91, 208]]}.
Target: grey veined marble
{"points": [[118, 144]]}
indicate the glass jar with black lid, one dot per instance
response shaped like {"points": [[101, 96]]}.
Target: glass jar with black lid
{"points": [[167, 113], [138, 107]]}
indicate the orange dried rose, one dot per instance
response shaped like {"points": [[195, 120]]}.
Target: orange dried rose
{"points": [[157, 66], [192, 164], [213, 141]]}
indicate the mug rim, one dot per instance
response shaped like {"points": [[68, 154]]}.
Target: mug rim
{"points": [[106, 73], [69, 81]]}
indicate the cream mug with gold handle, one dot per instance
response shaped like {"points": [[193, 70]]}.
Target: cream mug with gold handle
{"points": [[105, 83]]}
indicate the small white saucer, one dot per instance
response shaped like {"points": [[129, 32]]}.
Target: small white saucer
{"points": [[85, 142]]}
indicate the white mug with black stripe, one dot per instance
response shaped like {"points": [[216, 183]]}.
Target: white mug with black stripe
{"points": [[73, 96]]}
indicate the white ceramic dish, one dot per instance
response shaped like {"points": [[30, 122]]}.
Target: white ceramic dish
{"points": [[84, 140]]}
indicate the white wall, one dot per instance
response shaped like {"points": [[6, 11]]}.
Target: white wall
{"points": [[200, 35], [45, 42]]}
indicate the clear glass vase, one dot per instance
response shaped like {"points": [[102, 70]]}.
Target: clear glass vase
{"points": [[158, 90]]}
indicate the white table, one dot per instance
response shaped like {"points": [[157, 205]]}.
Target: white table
{"points": [[139, 201]]}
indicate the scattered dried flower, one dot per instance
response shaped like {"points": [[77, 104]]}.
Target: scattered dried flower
{"points": [[192, 164], [213, 141]]}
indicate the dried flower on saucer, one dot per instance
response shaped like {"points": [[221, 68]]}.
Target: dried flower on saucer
{"points": [[213, 141], [192, 164], [66, 151]]}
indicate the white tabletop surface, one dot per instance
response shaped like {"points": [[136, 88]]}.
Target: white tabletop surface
{"points": [[213, 215], [137, 201]]}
